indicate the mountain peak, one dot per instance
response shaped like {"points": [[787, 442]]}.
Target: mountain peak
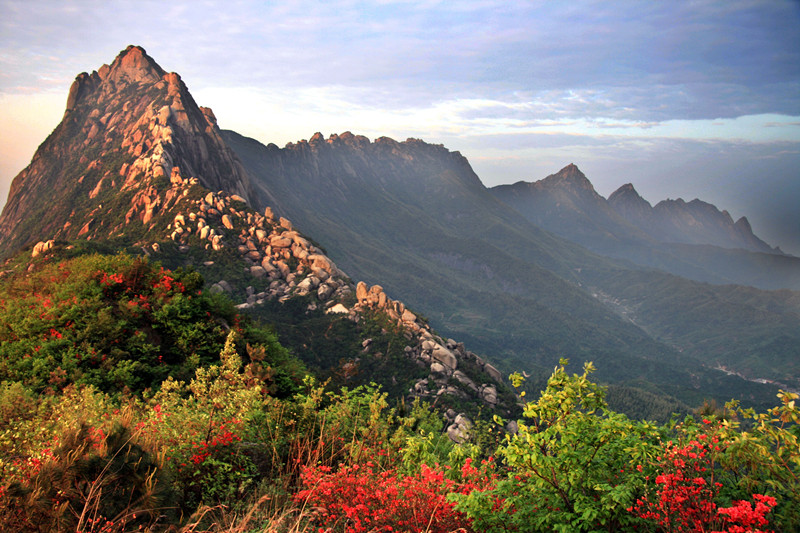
{"points": [[571, 177], [627, 194], [571, 171], [567, 204], [627, 202], [129, 126], [744, 225], [679, 221], [134, 64], [627, 188]]}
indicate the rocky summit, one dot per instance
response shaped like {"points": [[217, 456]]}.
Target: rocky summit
{"points": [[128, 129]]}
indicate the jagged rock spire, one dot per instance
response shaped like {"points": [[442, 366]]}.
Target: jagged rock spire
{"points": [[126, 126]]}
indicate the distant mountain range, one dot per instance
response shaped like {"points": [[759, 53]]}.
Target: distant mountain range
{"points": [[694, 240], [521, 274]]}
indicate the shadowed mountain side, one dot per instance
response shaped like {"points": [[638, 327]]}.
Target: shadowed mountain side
{"points": [[400, 190], [415, 217]]}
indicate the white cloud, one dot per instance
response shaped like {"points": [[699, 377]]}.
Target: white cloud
{"points": [[288, 115]]}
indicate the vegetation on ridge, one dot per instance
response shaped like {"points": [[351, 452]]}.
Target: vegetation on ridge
{"points": [[121, 323]]}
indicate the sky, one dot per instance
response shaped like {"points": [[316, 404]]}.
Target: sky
{"points": [[689, 99]]}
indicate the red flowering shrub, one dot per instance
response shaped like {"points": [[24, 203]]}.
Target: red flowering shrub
{"points": [[362, 498], [684, 500], [218, 442], [742, 517], [686, 491], [212, 468]]}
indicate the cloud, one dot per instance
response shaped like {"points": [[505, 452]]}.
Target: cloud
{"points": [[637, 61]]}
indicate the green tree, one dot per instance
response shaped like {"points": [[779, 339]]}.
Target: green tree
{"points": [[572, 466]]}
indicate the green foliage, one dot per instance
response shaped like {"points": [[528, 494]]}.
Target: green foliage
{"points": [[119, 323], [640, 404], [15, 402], [571, 465], [220, 440]]}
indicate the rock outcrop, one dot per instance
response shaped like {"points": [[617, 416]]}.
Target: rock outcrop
{"points": [[270, 252], [441, 356]]}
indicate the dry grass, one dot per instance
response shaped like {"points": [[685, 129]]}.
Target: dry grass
{"points": [[261, 517]]}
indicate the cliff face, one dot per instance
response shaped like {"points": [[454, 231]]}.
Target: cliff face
{"points": [[128, 129]]}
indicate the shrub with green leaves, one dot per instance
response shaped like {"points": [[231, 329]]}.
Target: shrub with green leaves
{"points": [[571, 467]]}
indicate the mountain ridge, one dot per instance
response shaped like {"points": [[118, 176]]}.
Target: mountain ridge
{"points": [[567, 204], [461, 243], [409, 216], [143, 203], [693, 222]]}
